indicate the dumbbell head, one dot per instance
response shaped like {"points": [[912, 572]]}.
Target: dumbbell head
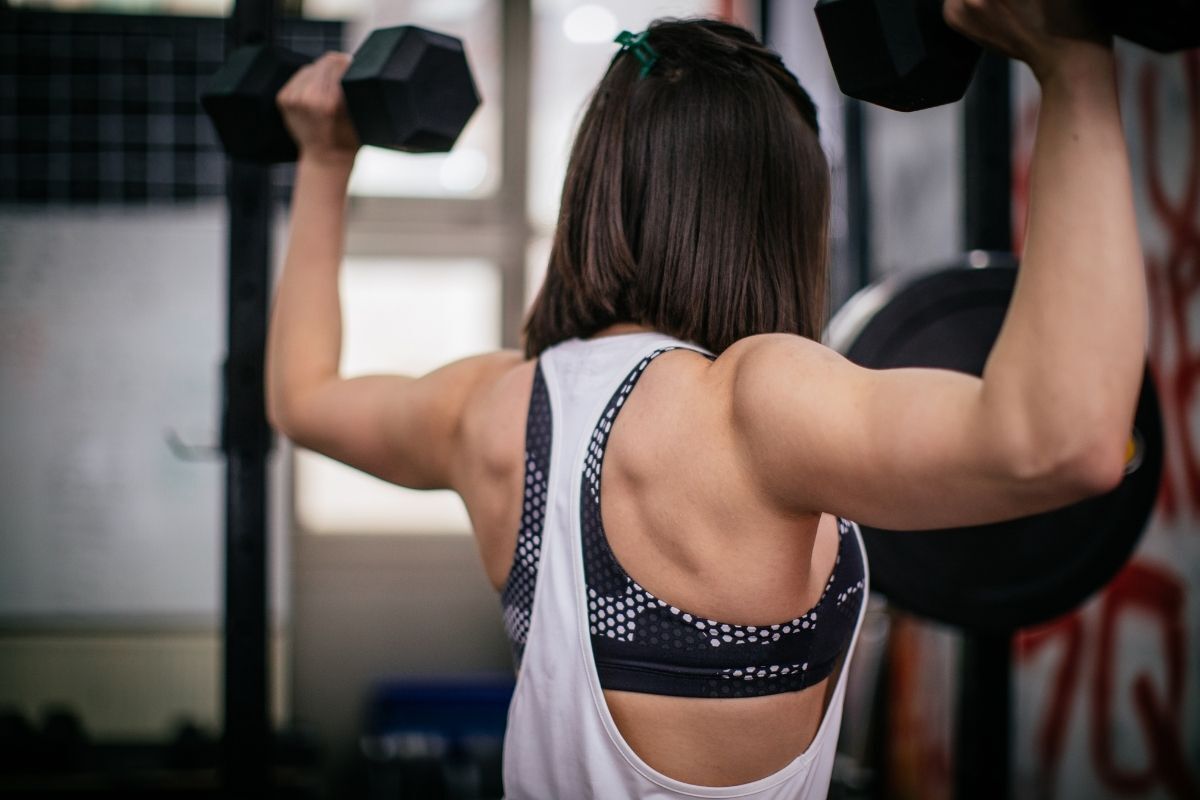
{"points": [[1162, 25], [240, 100], [902, 55], [410, 89], [896, 53], [406, 89]]}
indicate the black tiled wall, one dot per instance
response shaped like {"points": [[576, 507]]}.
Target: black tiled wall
{"points": [[104, 108]]}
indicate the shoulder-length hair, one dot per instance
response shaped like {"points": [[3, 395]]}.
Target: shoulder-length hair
{"points": [[696, 199]]}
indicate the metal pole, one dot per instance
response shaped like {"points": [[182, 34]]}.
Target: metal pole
{"points": [[983, 761], [858, 192], [246, 442], [983, 758], [987, 157]]}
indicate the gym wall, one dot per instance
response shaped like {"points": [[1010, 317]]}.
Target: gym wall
{"points": [[112, 240], [109, 553]]}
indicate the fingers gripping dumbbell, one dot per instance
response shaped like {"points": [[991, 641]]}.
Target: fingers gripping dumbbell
{"points": [[902, 55], [406, 89]]}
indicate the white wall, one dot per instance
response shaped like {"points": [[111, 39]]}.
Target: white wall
{"points": [[111, 548]]}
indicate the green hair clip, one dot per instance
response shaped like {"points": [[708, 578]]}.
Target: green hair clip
{"points": [[640, 48]]}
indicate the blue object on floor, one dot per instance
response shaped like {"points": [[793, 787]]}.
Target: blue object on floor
{"points": [[437, 738], [454, 707]]}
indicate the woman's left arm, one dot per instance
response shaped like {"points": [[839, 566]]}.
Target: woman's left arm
{"points": [[405, 430], [402, 429]]}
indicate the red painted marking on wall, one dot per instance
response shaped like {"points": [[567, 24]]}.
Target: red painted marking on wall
{"points": [[1173, 280], [1154, 595]]}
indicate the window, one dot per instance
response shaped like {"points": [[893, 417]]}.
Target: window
{"points": [[402, 316]]}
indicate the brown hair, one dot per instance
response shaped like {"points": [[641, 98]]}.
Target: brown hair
{"points": [[696, 199]]}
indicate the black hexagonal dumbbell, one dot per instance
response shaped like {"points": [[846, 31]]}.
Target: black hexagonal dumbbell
{"points": [[406, 89], [902, 55]]}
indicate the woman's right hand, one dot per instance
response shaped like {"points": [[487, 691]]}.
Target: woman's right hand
{"points": [[1042, 33], [314, 110]]}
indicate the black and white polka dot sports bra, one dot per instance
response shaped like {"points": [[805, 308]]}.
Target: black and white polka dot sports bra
{"points": [[643, 644]]}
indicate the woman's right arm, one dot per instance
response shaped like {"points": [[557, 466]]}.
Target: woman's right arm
{"points": [[1048, 422]]}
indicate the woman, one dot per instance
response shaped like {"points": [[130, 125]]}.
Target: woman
{"points": [[687, 634]]}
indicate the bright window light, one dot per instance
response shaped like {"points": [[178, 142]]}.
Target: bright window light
{"points": [[572, 47], [445, 10], [463, 171], [408, 317], [537, 258], [590, 23]]}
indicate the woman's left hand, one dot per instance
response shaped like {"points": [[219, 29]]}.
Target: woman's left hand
{"points": [[314, 110]]}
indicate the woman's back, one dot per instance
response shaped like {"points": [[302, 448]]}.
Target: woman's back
{"points": [[684, 520]]}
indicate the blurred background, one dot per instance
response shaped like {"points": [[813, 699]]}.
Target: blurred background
{"points": [[113, 243]]}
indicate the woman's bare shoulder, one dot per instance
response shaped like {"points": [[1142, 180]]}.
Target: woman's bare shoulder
{"points": [[494, 418], [752, 369], [773, 346]]}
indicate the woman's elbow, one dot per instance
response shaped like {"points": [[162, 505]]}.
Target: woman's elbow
{"points": [[1093, 468], [284, 406], [276, 420], [1101, 468], [283, 417]]}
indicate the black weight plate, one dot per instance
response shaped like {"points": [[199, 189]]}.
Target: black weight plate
{"points": [[1010, 574]]}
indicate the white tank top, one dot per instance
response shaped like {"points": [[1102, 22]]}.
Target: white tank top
{"points": [[561, 740]]}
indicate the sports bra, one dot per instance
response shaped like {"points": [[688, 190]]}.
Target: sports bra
{"points": [[641, 643]]}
